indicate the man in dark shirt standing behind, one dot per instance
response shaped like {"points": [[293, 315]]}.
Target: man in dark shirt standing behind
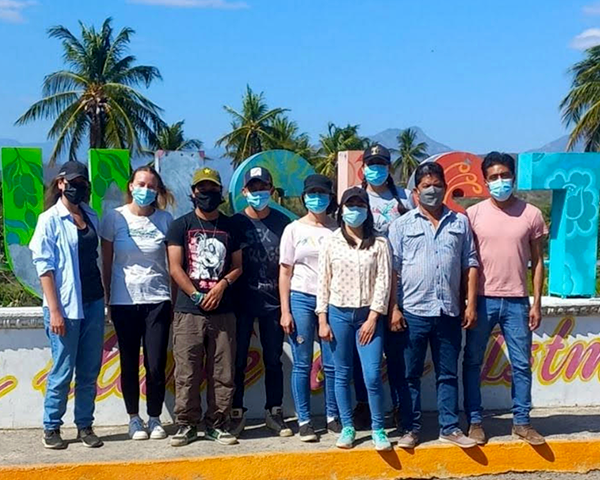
{"points": [[259, 228]]}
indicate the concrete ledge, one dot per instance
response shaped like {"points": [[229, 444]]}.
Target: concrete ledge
{"points": [[576, 456], [31, 317]]}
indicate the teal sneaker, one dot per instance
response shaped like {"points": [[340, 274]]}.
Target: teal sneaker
{"points": [[380, 440], [346, 439]]}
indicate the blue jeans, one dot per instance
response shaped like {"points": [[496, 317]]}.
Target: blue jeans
{"points": [[345, 324], [79, 351], [512, 314], [394, 344], [444, 334], [302, 340], [271, 340]]}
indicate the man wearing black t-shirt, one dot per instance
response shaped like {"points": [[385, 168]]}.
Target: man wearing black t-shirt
{"points": [[260, 228], [205, 260]]}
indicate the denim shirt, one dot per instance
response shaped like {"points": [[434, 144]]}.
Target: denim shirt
{"points": [[54, 249], [430, 262]]}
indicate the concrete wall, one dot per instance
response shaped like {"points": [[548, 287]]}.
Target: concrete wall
{"points": [[566, 367]]}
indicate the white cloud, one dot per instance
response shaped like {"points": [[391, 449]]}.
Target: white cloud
{"points": [[593, 9], [209, 4], [586, 39], [12, 10]]}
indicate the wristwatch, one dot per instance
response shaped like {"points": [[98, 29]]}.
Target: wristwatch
{"points": [[197, 298]]}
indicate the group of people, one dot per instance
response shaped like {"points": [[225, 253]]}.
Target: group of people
{"points": [[383, 274]]}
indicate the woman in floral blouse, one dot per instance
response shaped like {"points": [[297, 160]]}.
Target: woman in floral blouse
{"points": [[353, 292]]}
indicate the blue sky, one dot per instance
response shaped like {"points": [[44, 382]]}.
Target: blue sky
{"points": [[476, 75]]}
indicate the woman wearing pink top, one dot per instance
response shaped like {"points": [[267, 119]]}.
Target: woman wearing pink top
{"points": [[301, 243]]}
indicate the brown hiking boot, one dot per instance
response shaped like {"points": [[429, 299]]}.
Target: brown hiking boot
{"points": [[528, 434], [477, 433]]}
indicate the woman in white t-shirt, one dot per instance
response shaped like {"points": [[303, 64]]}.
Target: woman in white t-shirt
{"points": [[299, 259], [139, 293]]}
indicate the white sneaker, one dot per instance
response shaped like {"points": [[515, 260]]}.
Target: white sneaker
{"points": [[157, 432], [137, 431]]}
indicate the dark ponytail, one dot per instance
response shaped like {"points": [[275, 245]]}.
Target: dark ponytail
{"points": [[389, 183]]}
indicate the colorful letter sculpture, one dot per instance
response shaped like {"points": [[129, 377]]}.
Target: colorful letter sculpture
{"points": [[177, 169], [109, 171], [573, 179], [23, 199], [463, 176], [349, 170], [288, 170]]}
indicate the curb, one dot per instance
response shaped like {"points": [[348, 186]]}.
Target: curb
{"points": [[442, 461]]}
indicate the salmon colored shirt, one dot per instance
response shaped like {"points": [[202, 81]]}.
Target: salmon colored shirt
{"points": [[503, 238]]}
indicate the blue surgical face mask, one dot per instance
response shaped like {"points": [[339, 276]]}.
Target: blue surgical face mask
{"points": [[143, 196], [376, 174], [354, 216], [317, 202], [501, 189], [258, 200]]}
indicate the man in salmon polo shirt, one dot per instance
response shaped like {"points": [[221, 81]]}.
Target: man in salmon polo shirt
{"points": [[509, 233]]}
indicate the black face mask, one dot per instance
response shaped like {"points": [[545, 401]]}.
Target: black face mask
{"points": [[207, 201], [75, 192]]}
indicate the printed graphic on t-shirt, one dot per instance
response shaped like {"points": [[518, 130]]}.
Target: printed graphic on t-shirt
{"points": [[207, 253], [143, 233], [384, 214]]}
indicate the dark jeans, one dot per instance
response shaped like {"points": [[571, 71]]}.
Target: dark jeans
{"points": [[271, 340], [148, 325], [512, 314], [444, 334]]}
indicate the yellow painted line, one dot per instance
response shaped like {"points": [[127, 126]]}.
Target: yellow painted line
{"points": [[359, 464]]}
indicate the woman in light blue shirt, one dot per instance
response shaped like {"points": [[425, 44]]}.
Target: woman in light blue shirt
{"points": [[64, 249]]}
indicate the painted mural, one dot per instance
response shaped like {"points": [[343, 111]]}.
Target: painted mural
{"points": [[565, 359]]}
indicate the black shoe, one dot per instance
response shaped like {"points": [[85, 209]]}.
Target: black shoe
{"points": [[275, 422], [185, 434], [53, 440], [362, 416], [307, 433], [334, 427], [89, 438]]}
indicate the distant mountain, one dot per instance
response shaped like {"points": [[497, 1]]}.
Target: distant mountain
{"points": [[559, 145], [389, 138]]}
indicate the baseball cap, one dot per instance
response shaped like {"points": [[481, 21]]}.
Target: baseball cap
{"points": [[318, 181], [73, 169], [208, 174], [376, 152], [258, 173], [357, 192]]}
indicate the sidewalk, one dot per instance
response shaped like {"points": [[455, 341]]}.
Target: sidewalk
{"points": [[573, 445]]}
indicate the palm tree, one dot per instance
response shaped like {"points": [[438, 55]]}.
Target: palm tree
{"points": [[337, 140], [285, 135], [410, 153], [251, 129], [581, 107], [96, 97], [172, 138]]}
